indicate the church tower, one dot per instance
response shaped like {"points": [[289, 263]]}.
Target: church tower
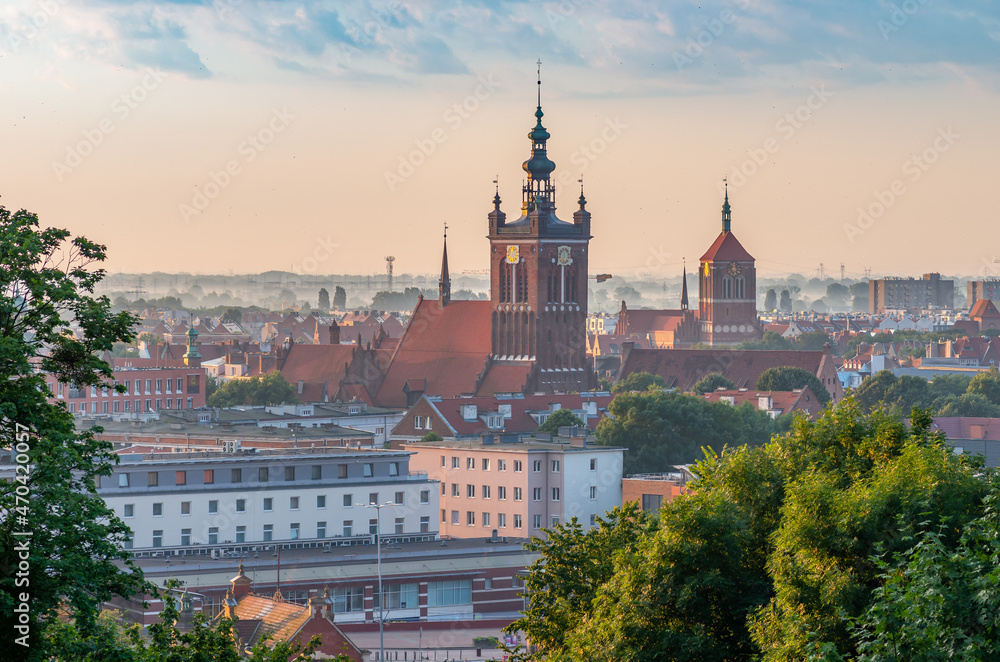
{"points": [[727, 289], [538, 279]]}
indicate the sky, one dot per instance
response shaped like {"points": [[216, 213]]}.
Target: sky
{"points": [[319, 137]]}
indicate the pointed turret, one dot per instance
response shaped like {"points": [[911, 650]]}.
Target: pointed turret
{"points": [[581, 216], [684, 289], [726, 213], [444, 285]]}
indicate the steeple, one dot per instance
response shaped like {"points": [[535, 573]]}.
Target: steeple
{"points": [[444, 285], [684, 288], [538, 191], [726, 214], [192, 357]]}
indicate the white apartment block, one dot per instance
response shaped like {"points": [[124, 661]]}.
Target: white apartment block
{"points": [[184, 503], [518, 489]]}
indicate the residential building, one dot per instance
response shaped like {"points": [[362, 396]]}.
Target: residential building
{"points": [[988, 288], [975, 436], [148, 390], [651, 491], [910, 294], [775, 403]]}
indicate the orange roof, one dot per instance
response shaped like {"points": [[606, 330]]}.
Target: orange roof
{"points": [[504, 379], [447, 347], [280, 619], [316, 363], [726, 247], [984, 308]]}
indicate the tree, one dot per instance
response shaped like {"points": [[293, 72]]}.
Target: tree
{"points": [[987, 384], [149, 338], [785, 304], [74, 556], [711, 382], [771, 300], [339, 298], [837, 294], [787, 378], [432, 436], [324, 299], [269, 389], [638, 381], [812, 340], [561, 418], [234, 315]]}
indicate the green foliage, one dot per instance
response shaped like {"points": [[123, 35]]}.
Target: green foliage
{"points": [[405, 300], [211, 386], [234, 315], [947, 395], [771, 300], [432, 436], [661, 429], [710, 382], [987, 384], [323, 302], [785, 304], [75, 555], [561, 418], [339, 298], [787, 378], [269, 389], [770, 340], [638, 381]]}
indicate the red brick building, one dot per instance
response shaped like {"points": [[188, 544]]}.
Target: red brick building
{"points": [[172, 385]]}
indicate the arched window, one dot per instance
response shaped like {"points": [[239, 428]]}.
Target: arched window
{"points": [[727, 288], [741, 288]]}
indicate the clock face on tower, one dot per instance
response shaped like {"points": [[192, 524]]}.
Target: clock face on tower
{"points": [[513, 254], [735, 269]]}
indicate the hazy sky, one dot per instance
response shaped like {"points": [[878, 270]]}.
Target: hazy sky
{"points": [[320, 137]]}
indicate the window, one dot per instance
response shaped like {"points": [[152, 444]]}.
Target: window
{"points": [[321, 529], [181, 478], [555, 520], [185, 508], [129, 510], [651, 502], [537, 522], [348, 599], [486, 519], [158, 538], [262, 474], [444, 516], [487, 583], [341, 471], [268, 502], [293, 503], [470, 518], [213, 507], [536, 466], [320, 501], [373, 526], [122, 480], [373, 497], [348, 526], [399, 525], [185, 537], [209, 476], [241, 505], [470, 463], [555, 466], [425, 496], [593, 464], [454, 463], [153, 478], [293, 531], [369, 470], [425, 524], [593, 492], [517, 521], [501, 465], [213, 535], [399, 498], [555, 493], [159, 386], [317, 471], [180, 384], [241, 533], [486, 464], [148, 385], [449, 592], [517, 466], [486, 491], [536, 494], [444, 487], [418, 422], [157, 510], [394, 468], [289, 473], [444, 461], [501, 492], [517, 494], [502, 520], [454, 517], [593, 519], [454, 489], [237, 476], [470, 491], [268, 532]]}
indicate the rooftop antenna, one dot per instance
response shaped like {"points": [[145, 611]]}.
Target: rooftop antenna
{"points": [[539, 82], [389, 259]]}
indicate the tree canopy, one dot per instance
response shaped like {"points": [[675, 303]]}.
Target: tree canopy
{"points": [[712, 381], [269, 389], [788, 378], [638, 381], [561, 418]]}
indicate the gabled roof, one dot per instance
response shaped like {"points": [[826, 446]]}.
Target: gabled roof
{"points": [[960, 427], [279, 619], [782, 402], [447, 347], [726, 247], [316, 363], [984, 308]]}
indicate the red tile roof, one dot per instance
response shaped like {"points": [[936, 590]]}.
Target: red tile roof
{"points": [[984, 308], [316, 363], [781, 401], [726, 247], [447, 347], [504, 379], [280, 619], [960, 427]]}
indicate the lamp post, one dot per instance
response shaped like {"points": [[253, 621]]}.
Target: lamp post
{"points": [[378, 555]]}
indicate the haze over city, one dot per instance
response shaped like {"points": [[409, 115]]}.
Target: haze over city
{"points": [[320, 137]]}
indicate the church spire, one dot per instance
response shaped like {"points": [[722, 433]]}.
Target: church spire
{"points": [[444, 285], [684, 288], [538, 167], [726, 214]]}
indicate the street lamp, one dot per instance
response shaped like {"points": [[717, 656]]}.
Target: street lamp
{"points": [[378, 553]]}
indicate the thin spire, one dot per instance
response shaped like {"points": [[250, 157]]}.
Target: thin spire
{"points": [[444, 285], [726, 213], [684, 287], [539, 82]]}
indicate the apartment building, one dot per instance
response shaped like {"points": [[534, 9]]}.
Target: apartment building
{"points": [[219, 503], [147, 391], [910, 294], [519, 488]]}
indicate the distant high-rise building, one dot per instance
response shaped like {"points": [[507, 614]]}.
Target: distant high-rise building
{"points": [[910, 294], [983, 289]]}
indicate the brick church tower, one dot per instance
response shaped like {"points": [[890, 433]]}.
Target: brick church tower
{"points": [[727, 289], [538, 280]]}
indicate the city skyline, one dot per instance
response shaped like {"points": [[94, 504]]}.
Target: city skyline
{"points": [[251, 136]]}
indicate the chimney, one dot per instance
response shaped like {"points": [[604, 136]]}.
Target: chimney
{"points": [[241, 584]]}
